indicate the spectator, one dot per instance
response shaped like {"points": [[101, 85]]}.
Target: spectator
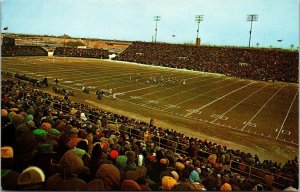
{"points": [[70, 165], [32, 178], [9, 177]]}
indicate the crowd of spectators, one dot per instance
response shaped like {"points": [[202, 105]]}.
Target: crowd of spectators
{"points": [[252, 63], [11, 50], [81, 52], [53, 143]]}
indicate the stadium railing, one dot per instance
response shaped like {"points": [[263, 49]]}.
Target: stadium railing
{"points": [[279, 181]]}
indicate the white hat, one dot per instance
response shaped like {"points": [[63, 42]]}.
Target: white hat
{"points": [[31, 175], [83, 117]]}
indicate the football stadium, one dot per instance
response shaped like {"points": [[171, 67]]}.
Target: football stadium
{"points": [[126, 113]]}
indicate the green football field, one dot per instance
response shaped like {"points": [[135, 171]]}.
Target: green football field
{"points": [[260, 117]]}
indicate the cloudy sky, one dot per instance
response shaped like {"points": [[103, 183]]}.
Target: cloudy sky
{"points": [[224, 20]]}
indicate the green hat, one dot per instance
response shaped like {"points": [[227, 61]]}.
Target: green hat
{"points": [[28, 118], [121, 161], [39, 132]]}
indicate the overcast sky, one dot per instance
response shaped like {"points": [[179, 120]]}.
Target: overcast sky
{"points": [[224, 20]]}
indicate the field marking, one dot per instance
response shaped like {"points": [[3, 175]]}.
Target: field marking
{"points": [[240, 102], [194, 110], [219, 117], [286, 132], [153, 101], [139, 89], [251, 124], [178, 86], [261, 108], [201, 120], [135, 97], [219, 98], [183, 91], [158, 85], [130, 72], [188, 90], [205, 93], [109, 75], [188, 117], [122, 78], [287, 114]]}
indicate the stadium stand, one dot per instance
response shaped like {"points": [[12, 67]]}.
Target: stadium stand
{"points": [[77, 52], [65, 145], [252, 63], [8, 50]]}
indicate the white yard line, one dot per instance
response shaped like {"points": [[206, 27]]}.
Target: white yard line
{"points": [[261, 108], [287, 115], [178, 86], [218, 99], [203, 94], [157, 84], [239, 103], [162, 98], [139, 89]]}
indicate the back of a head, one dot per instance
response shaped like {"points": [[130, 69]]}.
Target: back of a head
{"points": [[226, 187], [110, 175], [168, 183], [130, 185], [31, 175], [70, 163]]}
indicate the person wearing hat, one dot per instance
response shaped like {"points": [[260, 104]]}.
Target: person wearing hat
{"points": [[8, 132], [113, 154], [226, 187], [194, 177], [157, 168], [70, 165], [179, 166], [10, 115], [130, 164], [4, 117], [167, 183], [74, 139], [43, 158], [96, 156], [82, 148], [9, 178], [110, 175], [170, 173], [121, 162], [130, 185], [25, 148], [258, 187], [46, 126], [32, 178]]}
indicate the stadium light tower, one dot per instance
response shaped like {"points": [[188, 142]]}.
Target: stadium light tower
{"points": [[251, 18], [198, 19], [292, 46], [156, 18]]}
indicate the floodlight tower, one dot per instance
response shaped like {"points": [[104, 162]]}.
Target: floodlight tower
{"points": [[156, 18], [251, 18], [198, 19]]}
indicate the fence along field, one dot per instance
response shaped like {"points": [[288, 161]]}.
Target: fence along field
{"points": [[254, 109]]}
